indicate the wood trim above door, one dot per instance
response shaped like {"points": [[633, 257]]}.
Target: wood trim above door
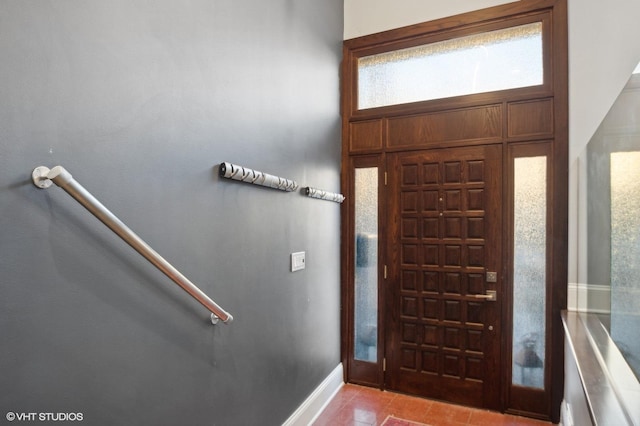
{"points": [[511, 121]]}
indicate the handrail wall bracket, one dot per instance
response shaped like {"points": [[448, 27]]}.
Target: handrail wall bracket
{"points": [[40, 176], [43, 177]]}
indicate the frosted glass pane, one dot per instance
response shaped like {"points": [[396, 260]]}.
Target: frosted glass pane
{"points": [[366, 262], [529, 271], [495, 60], [625, 254]]}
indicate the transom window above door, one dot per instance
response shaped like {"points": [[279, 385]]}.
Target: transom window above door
{"points": [[503, 59]]}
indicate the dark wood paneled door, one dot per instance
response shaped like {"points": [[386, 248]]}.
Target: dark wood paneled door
{"points": [[445, 233]]}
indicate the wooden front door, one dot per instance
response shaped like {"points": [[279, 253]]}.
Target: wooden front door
{"points": [[445, 263]]}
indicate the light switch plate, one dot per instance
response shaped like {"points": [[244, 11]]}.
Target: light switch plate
{"points": [[297, 261]]}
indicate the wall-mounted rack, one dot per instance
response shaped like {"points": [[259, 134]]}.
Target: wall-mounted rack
{"points": [[245, 174], [324, 195], [43, 177]]}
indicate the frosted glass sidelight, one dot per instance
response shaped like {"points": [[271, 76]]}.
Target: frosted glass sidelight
{"points": [[497, 60], [366, 264], [529, 271], [625, 252]]}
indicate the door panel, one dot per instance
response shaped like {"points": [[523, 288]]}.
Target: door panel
{"points": [[445, 216]]}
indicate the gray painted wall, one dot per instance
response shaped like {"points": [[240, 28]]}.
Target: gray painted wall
{"points": [[141, 101]]}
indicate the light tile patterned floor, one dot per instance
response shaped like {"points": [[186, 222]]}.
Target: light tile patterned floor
{"points": [[362, 406]]}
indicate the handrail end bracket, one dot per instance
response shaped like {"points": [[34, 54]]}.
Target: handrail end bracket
{"points": [[40, 177], [43, 177], [215, 319]]}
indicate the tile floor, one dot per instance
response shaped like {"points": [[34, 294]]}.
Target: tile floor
{"points": [[361, 406]]}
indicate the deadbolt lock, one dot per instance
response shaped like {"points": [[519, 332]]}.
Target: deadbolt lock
{"points": [[492, 277]]}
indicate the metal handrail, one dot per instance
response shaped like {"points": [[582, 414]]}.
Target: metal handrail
{"points": [[43, 177]]}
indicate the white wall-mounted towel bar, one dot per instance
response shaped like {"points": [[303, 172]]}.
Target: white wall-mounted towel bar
{"points": [[43, 177], [323, 195], [256, 177]]}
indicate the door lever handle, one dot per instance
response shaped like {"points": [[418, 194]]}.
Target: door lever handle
{"points": [[491, 296]]}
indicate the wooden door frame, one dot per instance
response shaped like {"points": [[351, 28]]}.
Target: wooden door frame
{"points": [[364, 134]]}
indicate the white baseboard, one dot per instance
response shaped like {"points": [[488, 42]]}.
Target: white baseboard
{"points": [[566, 417], [318, 400]]}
